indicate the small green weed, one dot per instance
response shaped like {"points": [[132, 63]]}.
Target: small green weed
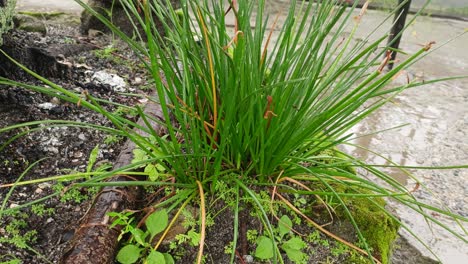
{"points": [[40, 210], [293, 246], [140, 246], [16, 233]]}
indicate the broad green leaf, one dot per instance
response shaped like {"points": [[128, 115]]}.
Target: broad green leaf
{"points": [[139, 236], [139, 155], [295, 255], [294, 243], [293, 248], [160, 168], [168, 258], [128, 254], [284, 225], [152, 172], [155, 257], [157, 222], [264, 248]]}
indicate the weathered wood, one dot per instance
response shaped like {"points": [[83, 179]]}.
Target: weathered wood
{"points": [[95, 242]]}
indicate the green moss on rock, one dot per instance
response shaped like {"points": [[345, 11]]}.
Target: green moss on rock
{"points": [[377, 227]]}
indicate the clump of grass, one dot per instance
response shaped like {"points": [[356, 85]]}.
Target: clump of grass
{"points": [[248, 114]]}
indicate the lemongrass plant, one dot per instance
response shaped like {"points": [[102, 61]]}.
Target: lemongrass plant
{"points": [[253, 113]]}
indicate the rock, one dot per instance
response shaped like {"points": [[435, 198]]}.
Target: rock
{"points": [[44, 185], [46, 106], [82, 136], [138, 81], [29, 24], [118, 17], [116, 82], [248, 258], [404, 253]]}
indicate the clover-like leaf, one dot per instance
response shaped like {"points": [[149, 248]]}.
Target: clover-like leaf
{"points": [[152, 172]]}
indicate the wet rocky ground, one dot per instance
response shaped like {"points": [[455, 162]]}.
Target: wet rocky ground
{"points": [[80, 64]]}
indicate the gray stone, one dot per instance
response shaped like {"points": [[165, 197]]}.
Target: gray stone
{"points": [[116, 82], [118, 16], [30, 24]]}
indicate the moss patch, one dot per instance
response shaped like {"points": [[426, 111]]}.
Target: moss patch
{"points": [[43, 15], [377, 227]]}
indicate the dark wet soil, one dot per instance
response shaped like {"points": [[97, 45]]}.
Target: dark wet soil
{"points": [[68, 60]]}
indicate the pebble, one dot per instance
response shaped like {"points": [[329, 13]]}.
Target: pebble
{"points": [[248, 258], [44, 185], [13, 205], [82, 136], [78, 154], [116, 82], [138, 81], [46, 106]]}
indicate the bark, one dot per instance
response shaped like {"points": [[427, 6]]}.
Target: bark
{"points": [[94, 241]]}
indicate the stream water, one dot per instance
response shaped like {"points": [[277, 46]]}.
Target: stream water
{"points": [[436, 115]]}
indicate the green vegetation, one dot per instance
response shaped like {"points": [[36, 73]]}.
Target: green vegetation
{"points": [[257, 123], [291, 244], [6, 18], [42, 15], [140, 246]]}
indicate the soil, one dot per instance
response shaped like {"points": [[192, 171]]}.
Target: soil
{"points": [[69, 60]]}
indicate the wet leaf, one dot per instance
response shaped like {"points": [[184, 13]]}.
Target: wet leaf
{"points": [[139, 155], [284, 225], [293, 248], [155, 257], [157, 222], [152, 172], [264, 248], [128, 254]]}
